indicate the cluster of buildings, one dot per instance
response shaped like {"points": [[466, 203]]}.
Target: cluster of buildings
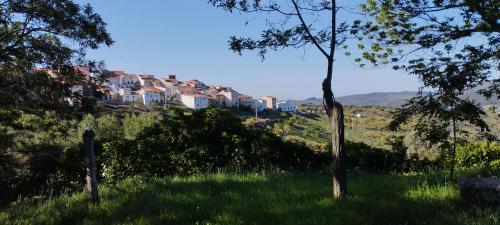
{"points": [[124, 88]]}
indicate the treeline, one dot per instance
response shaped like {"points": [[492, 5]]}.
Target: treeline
{"points": [[43, 154]]}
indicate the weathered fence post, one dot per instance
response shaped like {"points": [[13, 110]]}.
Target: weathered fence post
{"points": [[91, 186]]}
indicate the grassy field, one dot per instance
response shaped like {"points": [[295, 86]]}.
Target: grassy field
{"points": [[369, 128], [261, 199]]}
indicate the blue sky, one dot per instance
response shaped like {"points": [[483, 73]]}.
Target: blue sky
{"points": [[189, 38]]}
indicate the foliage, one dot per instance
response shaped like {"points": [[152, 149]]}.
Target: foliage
{"points": [[268, 198], [52, 34], [479, 155], [135, 124], [451, 45], [46, 155], [457, 40], [203, 141]]}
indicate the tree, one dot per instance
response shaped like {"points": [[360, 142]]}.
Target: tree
{"points": [[438, 118], [451, 45], [296, 32], [42, 46], [52, 34]]}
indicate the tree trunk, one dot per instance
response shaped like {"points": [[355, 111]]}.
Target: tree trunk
{"points": [[335, 112], [338, 151], [91, 186], [453, 152]]}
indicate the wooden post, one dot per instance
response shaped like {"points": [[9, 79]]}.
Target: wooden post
{"points": [[91, 186]]}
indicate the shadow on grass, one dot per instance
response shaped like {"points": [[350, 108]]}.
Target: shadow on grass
{"points": [[270, 199]]}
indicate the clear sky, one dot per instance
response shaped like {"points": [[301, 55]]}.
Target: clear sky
{"points": [[189, 38]]}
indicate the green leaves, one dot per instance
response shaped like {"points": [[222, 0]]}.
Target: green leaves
{"points": [[53, 34], [426, 38]]}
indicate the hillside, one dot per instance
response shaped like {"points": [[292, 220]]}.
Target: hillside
{"points": [[392, 99], [369, 127]]}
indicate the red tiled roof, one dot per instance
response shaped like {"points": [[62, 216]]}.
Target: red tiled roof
{"points": [[186, 87], [241, 96], [151, 89], [113, 73], [193, 82], [147, 77], [130, 75]]}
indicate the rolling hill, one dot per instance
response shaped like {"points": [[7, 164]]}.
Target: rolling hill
{"points": [[391, 99]]}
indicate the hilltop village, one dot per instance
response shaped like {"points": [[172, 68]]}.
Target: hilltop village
{"points": [[123, 88]]}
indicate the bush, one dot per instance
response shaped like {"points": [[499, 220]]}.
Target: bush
{"points": [[479, 155], [203, 141]]}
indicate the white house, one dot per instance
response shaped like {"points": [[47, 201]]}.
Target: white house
{"points": [[130, 81], [128, 95], [211, 91], [167, 93], [286, 106], [260, 104], [195, 102], [146, 80], [171, 88], [108, 93], [152, 94], [245, 100], [196, 84], [228, 98], [271, 102]]}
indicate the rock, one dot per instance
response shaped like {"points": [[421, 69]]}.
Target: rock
{"points": [[480, 190]]}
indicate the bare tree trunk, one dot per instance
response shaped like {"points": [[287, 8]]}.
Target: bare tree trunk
{"points": [[91, 186], [338, 152], [335, 112], [453, 153], [333, 109]]}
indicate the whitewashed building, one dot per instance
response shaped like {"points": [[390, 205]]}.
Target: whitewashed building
{"points": [[146, 80], [228, 98], [114, 81], [245, 100], [128, 95], [195, 101], [167, 93], [286, 106], [260, 104], [270, 101], [130, 81], [152, 95]]}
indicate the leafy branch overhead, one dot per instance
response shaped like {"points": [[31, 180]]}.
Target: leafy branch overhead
{"points": [[452, 46], [51, 34], [294, 30], [446, 43]]}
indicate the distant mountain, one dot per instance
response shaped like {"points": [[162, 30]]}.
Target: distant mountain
{"points": [[391, 99]]}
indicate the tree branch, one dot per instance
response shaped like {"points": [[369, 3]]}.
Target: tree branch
{"points": [[306, 28]]}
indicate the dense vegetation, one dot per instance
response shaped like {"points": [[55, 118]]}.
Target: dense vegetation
{"points": [[369, 125], [46, 154], [268, 198], [180, 166]]}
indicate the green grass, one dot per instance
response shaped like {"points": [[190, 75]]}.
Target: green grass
{"points": [[261, 199], [361, 130]]}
